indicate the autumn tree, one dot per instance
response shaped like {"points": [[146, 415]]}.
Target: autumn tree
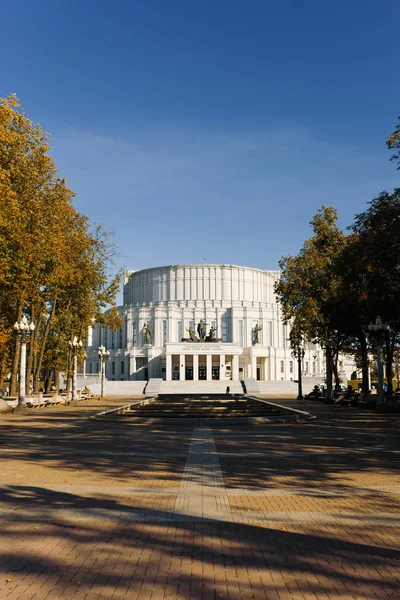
{"points": [[378, 266], [308, 286], [54, 267]]}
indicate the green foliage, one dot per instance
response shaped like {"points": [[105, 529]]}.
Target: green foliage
{"points": [[393, 143]]}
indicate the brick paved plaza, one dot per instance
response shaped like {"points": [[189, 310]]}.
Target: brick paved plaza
{"points": [[118, 510]]}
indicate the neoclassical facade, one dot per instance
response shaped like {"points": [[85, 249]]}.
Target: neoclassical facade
{"points": [[241, 332]]}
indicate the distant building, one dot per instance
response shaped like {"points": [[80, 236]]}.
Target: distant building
{"points": [[162, 309]]}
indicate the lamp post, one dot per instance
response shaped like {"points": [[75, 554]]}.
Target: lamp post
{"points": [[103, 355], [378, 328], [298, 352], [23, 331], [75, 345]]}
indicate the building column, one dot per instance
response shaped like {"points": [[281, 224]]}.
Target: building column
{"points": [[182, 371], [151, 364], [266, 369], [195, 367], [235, 367], [209, 367], [222, 367], [168, 367], [254, 367], [132, 368]]}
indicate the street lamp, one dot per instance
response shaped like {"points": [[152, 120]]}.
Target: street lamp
{"points": [[378, 328], [104, 355], [75, 345], [23, 332], [298, 352]]}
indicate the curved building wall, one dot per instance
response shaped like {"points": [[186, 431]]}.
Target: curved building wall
{"points": [[235, 301], [200, 282]]}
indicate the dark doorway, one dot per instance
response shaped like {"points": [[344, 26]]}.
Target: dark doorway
{"points": [[258, 373], [202, 373], [189, 373], [215, 373]]}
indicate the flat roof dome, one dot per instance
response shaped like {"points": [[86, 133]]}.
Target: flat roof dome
{"points": [[198, 282]]}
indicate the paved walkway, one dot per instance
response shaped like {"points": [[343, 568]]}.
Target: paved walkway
{"points": [[94, 510]]}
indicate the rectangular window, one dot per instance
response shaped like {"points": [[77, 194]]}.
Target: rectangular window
{"points": [[224, 330], [313, 367], [291, 366], [113, 367], [191, 326], [122, 367], [240, 332], [180, 331], [282, 366], [283, 336], [269, 333], [97, 367], [164, 332], [106, 336], [306, 366], [121, 338], [90, 367], [134, 333], [113, 340]]}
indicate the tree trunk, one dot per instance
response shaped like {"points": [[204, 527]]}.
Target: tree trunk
{"points": [[365, 389], [15, 360], [30, 355], [328, 355], [43, 345], [335, 373], [389, 347], [49, 381], [69, 376], [2, 371], [57, 380]]}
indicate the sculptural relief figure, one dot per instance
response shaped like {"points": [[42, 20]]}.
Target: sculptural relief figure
{"points": [[148, 334], [211, 335], [192, 335], [201, 330], [257, 330]]}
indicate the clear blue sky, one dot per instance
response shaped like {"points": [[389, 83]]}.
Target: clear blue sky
{"points": [[210, 129]]}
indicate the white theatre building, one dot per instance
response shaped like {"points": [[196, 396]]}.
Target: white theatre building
{"points": [[162, 309]]}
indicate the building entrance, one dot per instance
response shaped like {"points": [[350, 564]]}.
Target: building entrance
{"points": [[215, 373], [202, 373], [189, 373]]}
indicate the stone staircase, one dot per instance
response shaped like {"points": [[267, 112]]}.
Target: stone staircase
{"points": [[203, 406]]}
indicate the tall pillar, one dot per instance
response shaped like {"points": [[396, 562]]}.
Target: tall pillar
{"points": [[195, 367], [266, 369], [222, 367], [182, 367], [168, 367], [254, 367], [209, 367], [235, 367], [132, 367]]}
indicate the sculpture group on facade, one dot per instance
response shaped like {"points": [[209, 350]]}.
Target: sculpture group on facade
{"points": [[201, 334]]}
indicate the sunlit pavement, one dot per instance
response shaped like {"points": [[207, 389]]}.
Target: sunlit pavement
{"points": [[120, 510]]}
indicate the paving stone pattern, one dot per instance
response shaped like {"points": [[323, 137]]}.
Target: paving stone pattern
{"points": [[95, 510]]}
